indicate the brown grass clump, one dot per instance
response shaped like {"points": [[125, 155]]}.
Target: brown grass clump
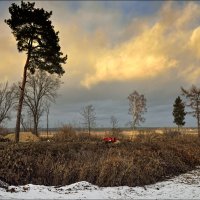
{"points": [[145, 160], [23, 137]]}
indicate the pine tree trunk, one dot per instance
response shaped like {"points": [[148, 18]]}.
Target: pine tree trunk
{"points": [[21, 98]]}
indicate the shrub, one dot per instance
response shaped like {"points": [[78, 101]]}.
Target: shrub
{"points": [[3, 131], [3, 139], [143, 161], [171, 133], [66, 133], [148, 137]]}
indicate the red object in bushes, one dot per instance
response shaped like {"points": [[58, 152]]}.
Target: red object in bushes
{"points": [[110, 139]]}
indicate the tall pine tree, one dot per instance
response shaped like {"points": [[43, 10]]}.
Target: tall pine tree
{"points": [[36, 37], [179, 112]]}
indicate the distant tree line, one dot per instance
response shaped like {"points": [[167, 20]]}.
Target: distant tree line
{"points": [[41, 91], [138, 107]]}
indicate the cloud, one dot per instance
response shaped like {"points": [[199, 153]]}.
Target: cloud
{"points": [[143, 56], [163, 44], [195, 41], [102, 47]]}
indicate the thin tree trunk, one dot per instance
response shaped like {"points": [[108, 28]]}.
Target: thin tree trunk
{"points": [[198, 126], [89, 129], [47, 126], [21, 98], [30, 123], [35, 131], [23, 126], [88, 122]]}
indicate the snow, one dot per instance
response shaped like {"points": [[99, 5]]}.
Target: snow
{"points": [[185, 186]]}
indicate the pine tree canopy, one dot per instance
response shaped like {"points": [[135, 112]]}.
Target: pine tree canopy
{"points": [[179, 112], [35, 35]]}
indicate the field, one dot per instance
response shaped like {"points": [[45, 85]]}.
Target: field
{"points": [[27, 136], [128, 133], [69, 157]]}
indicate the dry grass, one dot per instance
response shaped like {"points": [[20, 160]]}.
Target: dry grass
{"points": [[145, 160], [65, 131], [23, 137]]}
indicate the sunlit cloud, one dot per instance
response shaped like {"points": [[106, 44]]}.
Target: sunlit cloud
{"points": [[141, 57], [157, 49], [100, 51], [195, 41]]}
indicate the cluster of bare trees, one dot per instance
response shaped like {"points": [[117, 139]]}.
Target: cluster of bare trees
{"points": [[41, 90], [89, 120], [137, 108]]}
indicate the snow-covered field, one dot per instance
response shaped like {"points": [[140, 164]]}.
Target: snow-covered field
{"points": [[186, 186]]}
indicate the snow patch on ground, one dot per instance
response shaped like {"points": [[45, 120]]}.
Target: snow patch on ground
{"points": [[185, 186]]}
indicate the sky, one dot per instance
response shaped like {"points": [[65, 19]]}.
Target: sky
{"points": [[115, 48]]}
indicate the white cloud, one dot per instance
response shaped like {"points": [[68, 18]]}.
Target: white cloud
{"points": [[155, 50]]}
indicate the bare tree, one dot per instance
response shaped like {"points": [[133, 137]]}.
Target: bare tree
{"points": [[193, 97], [137, 107], [7, 100], [89, 117], [114, 126], [40, 87]]}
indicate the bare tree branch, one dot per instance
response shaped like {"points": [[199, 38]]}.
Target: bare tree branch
{"points": [[7, 101], [40, 88]]}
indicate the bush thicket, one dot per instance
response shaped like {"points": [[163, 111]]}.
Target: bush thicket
{"points": [[146, 160]]}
